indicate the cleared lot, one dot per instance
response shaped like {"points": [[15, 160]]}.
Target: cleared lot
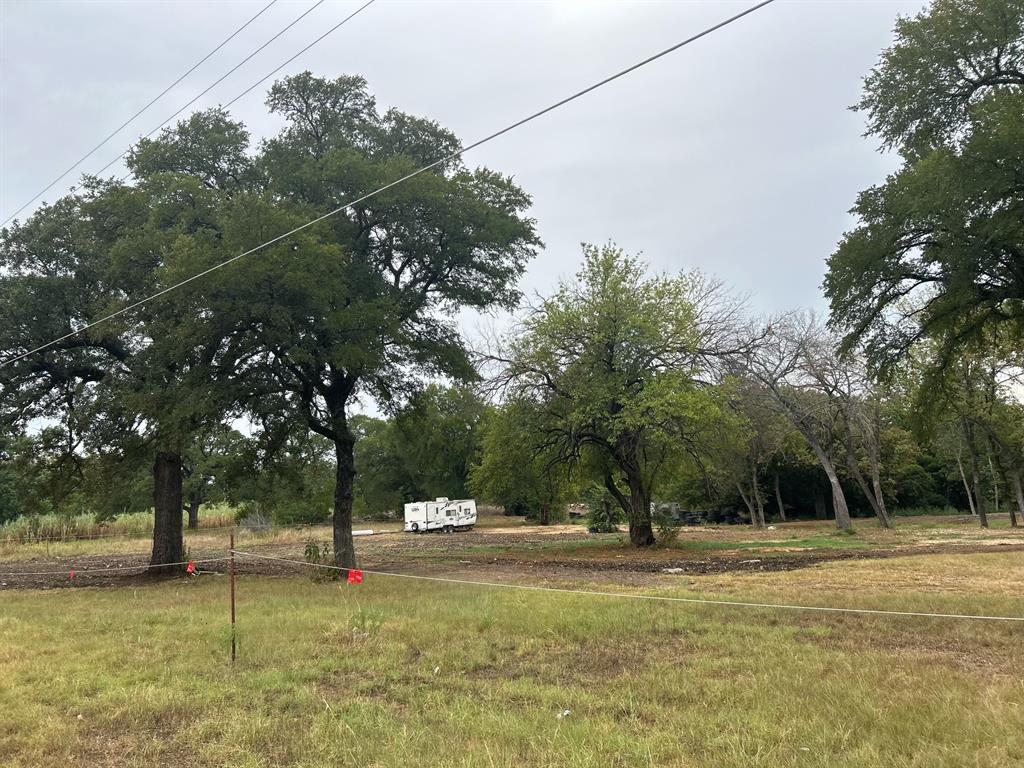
{"points": [[125, 671]]}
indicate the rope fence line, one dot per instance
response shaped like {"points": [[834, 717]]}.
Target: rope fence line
{"points": [[76, 571], [627, 595]]}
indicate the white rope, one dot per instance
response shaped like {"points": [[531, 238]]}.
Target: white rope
{"points": [[662, 598], [69, 569]]}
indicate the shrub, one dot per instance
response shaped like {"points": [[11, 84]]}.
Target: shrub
{"points": [[317, 554], [603, 512], [666, 525]]}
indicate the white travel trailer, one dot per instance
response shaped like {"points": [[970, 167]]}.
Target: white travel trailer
{"points": [[442, 514]]}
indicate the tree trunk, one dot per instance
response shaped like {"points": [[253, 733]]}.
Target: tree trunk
{"points": [[1013, 475], [967, 486], [641, 531], [876, 484], [979, 497], [749, 502], [995, 481], [872, 493], [344, 480], [193, 513], [638, 506], [778, 499], [758, 499], [842, 512], [819, 505], [875, 470], [168, 546], [545, 514]]}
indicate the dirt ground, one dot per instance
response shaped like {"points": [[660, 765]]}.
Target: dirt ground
{"points": [[555, 551]]}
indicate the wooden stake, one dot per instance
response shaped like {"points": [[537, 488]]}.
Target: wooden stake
{"points": [[231, 572]]}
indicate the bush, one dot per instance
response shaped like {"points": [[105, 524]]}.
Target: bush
{"points": [[320, 554], [298, 512], [603, 512], [666, 525]]}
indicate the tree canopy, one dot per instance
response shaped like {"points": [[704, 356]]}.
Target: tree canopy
{"points": [[938, 249]]}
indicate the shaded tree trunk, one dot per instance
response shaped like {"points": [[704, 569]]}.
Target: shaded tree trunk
{"points": [[168, 546], [641, 530], [545, 514], [749, 502], [820, 513], [967, 486], [637, 508], [1013, 476], [872, 493], [344, 481], [778, 499], [193, 512], [876, 484], [842, 512], [979, 497], [758, 498]]}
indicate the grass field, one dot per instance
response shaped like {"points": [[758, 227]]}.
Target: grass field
{"points": [[399, 673]]}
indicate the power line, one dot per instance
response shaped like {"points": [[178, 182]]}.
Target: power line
{"points": [[205, 91], [155, 99], [632, 596], [219, 80], [456, 154], [275, 70], [293, 58]]}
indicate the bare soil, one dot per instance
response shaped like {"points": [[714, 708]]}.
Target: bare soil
{"points": [[489, 550]]}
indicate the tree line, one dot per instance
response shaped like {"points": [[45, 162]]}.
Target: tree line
{"points": [[642, 386]]}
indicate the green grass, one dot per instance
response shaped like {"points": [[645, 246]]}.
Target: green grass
{"points": [[399, 673]]}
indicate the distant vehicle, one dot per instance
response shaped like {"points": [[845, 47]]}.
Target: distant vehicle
{"points": [[442, 514]]}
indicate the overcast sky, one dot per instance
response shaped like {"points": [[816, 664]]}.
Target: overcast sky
{"points": [[736, 154]]}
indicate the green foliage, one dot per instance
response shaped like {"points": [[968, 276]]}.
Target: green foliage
{"points": [[935, 249], [317, 554], [516, 470], [667, 526], [945, 60], [603, 511], [426, 450], [11, 495], [609, 364]]}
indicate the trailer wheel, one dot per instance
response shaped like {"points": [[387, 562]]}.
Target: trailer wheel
{"points": [[449, 529], [415, 527]]}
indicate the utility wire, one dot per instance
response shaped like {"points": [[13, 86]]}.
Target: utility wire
{"points": [[293, 58], [219, 80], [633, 596], [123, 125], [425, 168], [285, 63], [209, 88]]}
